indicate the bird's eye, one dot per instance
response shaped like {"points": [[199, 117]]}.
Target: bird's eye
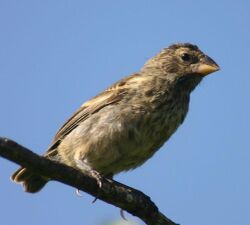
{"points": [[185, 57]]}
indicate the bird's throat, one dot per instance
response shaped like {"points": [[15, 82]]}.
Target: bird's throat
{"points": [[187, 83]]}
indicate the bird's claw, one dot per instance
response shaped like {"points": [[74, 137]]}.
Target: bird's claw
{"points": [[122, 214], [95, 199], [78, 193]]}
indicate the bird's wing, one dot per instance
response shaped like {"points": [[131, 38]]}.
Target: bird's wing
{"points": [[110, 96]]}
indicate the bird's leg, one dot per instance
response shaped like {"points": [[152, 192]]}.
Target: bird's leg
{"points": [[84, 166]]}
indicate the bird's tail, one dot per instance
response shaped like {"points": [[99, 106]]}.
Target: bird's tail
{"points": [[31, 182]]}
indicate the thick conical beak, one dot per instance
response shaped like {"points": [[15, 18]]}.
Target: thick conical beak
{"points": [[205, 66]]}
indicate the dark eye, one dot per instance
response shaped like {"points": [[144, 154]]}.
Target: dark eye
{"points": [[185, 57]]}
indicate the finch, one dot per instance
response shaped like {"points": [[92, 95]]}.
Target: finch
{"points": [[124, 126]]}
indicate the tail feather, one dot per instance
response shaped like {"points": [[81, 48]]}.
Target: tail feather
{"points": [[31, 182]]}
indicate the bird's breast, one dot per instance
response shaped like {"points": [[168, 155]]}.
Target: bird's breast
{"points": [[146, 129]]}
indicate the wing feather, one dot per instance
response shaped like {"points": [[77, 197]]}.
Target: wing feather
{"points": [[110, 96]]}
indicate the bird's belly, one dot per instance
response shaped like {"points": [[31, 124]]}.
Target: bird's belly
{"points": [[113, 144]]}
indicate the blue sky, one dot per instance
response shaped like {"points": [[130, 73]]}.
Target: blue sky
{"points": [[54, 55]]}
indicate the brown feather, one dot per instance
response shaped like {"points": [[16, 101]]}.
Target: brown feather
{"points": [[110, 96]]}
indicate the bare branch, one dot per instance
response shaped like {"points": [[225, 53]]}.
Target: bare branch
{"points": [[112, 192]]}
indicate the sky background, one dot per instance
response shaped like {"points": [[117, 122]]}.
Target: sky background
{"points": [[54, 55]]}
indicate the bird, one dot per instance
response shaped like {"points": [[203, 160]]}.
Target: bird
{"points": [[123, 126]]}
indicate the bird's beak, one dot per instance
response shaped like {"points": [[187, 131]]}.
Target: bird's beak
{"points": [[205, 66]]}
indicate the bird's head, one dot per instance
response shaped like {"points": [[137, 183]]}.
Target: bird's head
{"points": [[182, 62]]}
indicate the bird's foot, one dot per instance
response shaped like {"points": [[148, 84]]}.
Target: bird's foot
{"points": [[98, 177], [84, 166]]}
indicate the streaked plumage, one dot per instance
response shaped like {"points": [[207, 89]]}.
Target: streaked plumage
{"points": [[125, 125]]}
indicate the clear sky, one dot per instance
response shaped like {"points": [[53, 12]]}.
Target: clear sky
{"points": [[54, 55]]}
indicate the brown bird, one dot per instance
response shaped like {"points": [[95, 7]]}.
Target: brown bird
{"points": [[125, 125]]}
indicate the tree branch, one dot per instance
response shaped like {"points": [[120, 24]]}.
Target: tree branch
{"points": [[112, 192]]}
